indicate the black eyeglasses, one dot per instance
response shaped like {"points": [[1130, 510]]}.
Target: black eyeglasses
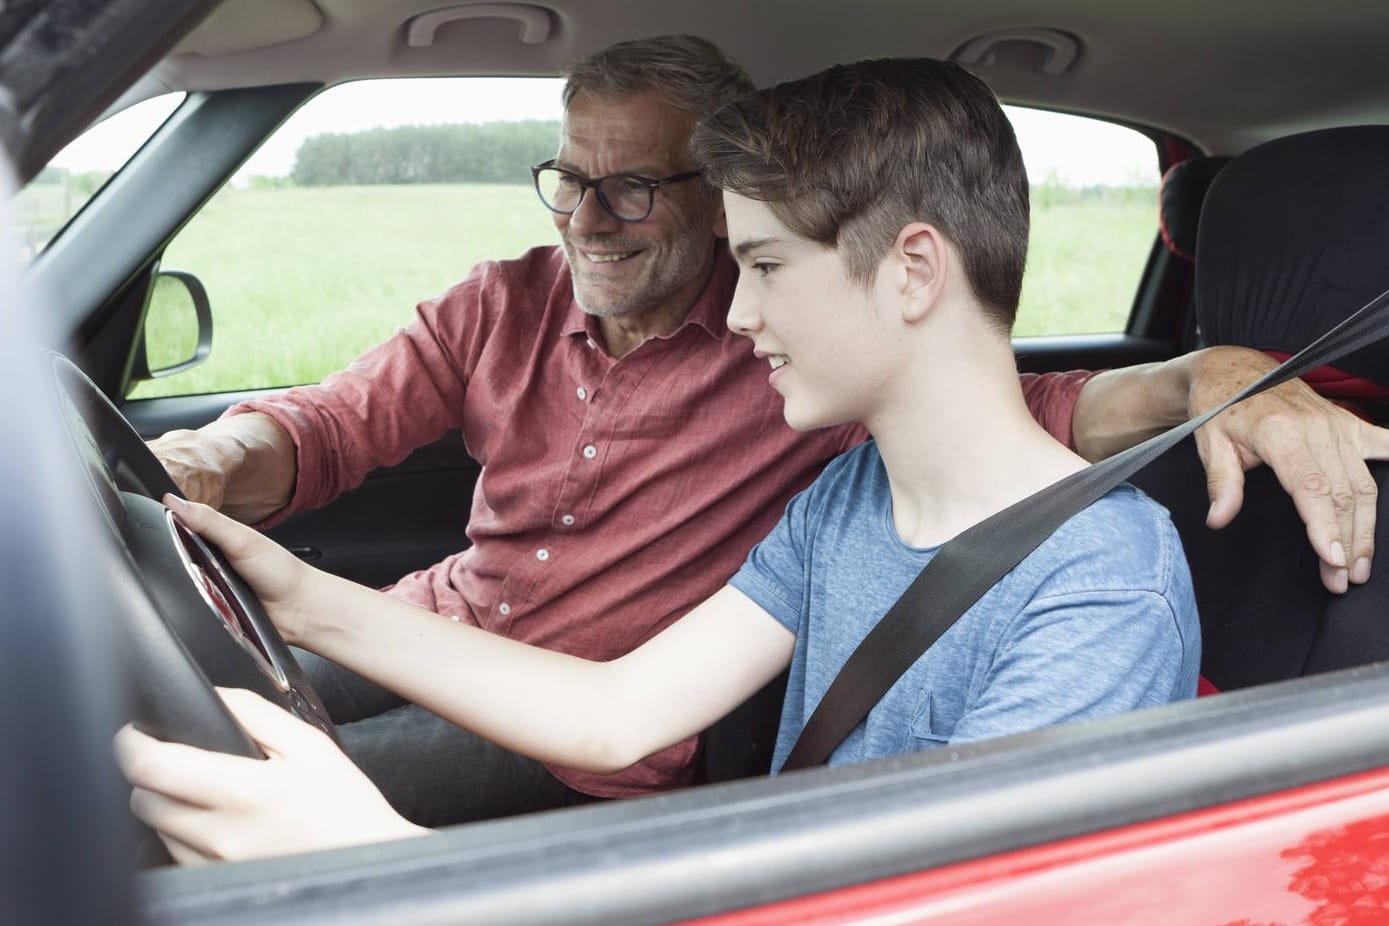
{"points": [[626, 197]]}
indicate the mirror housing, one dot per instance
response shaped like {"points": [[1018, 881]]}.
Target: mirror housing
{"points": [[167, 315]]}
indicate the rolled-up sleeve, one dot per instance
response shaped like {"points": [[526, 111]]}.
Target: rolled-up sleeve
{"points": [[1052, 397], [400, 395]]}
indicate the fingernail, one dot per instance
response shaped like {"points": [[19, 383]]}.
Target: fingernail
{"points": [[1361, 573], [1338, 554], [1342, 581], [174, 502]]}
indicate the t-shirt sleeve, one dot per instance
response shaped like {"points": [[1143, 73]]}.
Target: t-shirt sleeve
{"points": [[775, 572], [400, 395], [1051, 397], [1072, 657]]}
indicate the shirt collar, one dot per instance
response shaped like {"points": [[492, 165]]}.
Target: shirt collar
{"points": [[709, 312]]}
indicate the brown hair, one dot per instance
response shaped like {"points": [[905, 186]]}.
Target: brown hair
{"points": [[689, 73], [849, 156]]}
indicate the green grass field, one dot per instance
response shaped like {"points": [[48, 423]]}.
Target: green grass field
{"points": [[303, 280]]}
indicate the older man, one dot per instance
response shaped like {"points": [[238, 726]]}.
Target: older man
{"points": [[631, 450]]}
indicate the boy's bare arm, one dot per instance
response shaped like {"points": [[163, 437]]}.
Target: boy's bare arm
{"points": [[244, 466], [597, 716]]}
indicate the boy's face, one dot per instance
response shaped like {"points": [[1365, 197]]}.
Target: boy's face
{"points": [[821, 333]]}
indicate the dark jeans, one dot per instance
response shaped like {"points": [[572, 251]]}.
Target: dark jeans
{"points": [[432, 772]]}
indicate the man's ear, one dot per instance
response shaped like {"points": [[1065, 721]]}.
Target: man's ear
{"points": [[923, 266]]}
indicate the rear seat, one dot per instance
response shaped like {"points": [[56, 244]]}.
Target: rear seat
{"points": [[1293, 242], [1293, 237]]}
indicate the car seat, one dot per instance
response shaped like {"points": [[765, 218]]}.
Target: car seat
{"points": [[1293, 242], [1293, 237]]}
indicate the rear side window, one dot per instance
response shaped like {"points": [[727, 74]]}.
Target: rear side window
{"points": [[1094, 219]]}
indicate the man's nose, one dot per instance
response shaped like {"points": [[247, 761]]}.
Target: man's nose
{"points": [[591, 218]]}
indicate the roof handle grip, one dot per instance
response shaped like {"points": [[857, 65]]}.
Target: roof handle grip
{"points": [[1059, 49], [534, 21]]}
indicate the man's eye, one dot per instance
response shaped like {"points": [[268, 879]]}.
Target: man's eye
{"points": [[629, 186], [764, 268], [566, 182]]}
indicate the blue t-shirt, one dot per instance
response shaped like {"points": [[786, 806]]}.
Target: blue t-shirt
{"points": [[1099, 619]]}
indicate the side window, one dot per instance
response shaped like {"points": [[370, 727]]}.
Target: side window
{"points": [[372, 197], [49, 201], [1094, 218]]}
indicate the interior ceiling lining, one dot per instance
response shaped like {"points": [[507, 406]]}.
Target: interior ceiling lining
{"points": [[1180, 80]]}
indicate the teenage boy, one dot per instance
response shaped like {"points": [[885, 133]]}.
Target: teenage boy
{"points": [[879, 215]]}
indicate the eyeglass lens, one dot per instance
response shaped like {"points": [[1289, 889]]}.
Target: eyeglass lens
{"points": [[625, 197]]}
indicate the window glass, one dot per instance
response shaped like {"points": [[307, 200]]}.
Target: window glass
{"points": [[378, 194], [1094, 218], [62, 188], [373, 196]]}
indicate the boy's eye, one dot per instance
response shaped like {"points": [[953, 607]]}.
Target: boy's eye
{"points": [[764, 268]]}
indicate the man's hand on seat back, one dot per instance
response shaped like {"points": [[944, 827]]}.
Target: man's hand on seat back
{"points": [[1316, 449]]}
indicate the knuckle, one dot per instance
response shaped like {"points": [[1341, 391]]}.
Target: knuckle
{"points": [[1343, 500], [1314, 483]]}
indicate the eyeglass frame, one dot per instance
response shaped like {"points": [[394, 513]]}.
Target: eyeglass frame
{"points": [[592, 183]]}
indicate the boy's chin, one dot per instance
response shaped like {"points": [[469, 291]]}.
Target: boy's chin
{"points": [[806, 419]]}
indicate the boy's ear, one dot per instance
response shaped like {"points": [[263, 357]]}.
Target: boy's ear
{"points": [[923, 263]]}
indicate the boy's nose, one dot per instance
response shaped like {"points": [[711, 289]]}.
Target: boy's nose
{"points": [[743, 317]]}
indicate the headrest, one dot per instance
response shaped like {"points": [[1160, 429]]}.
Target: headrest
{"points": [[1184, 189], [1295, 237]]}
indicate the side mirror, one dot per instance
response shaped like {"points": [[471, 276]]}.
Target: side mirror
{"points": [[177, 329]]}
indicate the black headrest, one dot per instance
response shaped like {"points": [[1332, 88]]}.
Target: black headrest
{"points": [[1294, 237], [1184, 189]]}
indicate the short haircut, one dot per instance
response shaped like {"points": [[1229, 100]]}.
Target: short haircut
{"points": [[849, 156], [689, 73]]}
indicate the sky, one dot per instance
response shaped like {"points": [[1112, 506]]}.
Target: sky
{"points": [[1078, 151]]}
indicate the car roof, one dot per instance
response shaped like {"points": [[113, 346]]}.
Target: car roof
{"points": [[1223, 75]]}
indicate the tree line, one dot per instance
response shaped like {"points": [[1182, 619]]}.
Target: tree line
{"points": [[493, 152]]}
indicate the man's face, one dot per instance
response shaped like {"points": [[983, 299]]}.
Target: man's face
{"points": [[631, 268], [825, 341]]}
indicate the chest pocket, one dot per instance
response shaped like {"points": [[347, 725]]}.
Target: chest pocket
{"points": [[925, 729]]}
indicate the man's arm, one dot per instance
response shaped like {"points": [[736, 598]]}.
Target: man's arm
{"points": [[243, 465], [1316, 449]]}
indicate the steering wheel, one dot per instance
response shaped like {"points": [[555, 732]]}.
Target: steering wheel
{"points": [[189, 622]]}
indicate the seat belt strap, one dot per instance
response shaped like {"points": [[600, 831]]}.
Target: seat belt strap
{"points": [[970, 564]]}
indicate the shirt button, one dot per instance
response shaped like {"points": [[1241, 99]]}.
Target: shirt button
{"points": [[542, 554], [590, 451], [504, 608], [582, 393], [567, 520]]}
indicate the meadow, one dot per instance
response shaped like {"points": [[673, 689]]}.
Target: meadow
{"points": [[301, 280]]}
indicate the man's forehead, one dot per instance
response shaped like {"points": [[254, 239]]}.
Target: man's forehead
{"points": [[640, 130]]}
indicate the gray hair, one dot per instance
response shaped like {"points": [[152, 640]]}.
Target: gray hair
{"points": [[688, 72]]}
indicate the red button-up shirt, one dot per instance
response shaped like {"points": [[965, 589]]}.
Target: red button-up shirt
{"points": [[616, 493]]}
